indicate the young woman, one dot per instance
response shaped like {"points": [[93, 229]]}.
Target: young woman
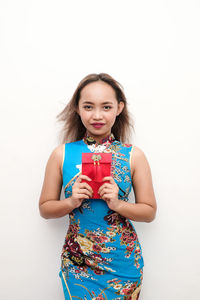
{"points": [[102, 256]]}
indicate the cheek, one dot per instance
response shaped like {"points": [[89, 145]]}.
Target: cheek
{"points": [[111, 117], [85, 116]]}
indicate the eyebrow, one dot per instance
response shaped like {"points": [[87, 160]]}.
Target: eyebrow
{"points": [[89, 102]]}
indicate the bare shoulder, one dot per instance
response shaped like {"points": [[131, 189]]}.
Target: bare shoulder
{"points": [[53, 176], [57, 155], [58, 151], [137, 153], [138, 159], [142, 179]]}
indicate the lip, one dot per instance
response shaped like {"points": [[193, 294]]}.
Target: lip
{"points": [[97, 125]]}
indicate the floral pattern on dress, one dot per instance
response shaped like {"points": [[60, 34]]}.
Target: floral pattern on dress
{"points": [[130, 290], [84, 250], [128, 236], [97, 235]]}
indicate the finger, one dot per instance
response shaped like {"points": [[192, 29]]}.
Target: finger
{"points": [[85, 177], [82, 196], [105, 185], [78, 179], [84, 191], [110, 178], [86, 185], [106, 191], [107, 196], [81, 177]]}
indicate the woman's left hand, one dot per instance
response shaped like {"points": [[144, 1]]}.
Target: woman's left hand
{"points": [[109, 192]]}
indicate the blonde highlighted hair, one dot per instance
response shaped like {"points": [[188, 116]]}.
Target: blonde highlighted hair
{"points": [[73, 128]]}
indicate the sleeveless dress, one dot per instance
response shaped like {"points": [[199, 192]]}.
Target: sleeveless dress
{"points": [[101, 257]]}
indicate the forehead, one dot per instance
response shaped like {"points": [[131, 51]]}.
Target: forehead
{"points": [[98, 90]]}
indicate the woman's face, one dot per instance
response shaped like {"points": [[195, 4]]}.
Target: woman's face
{"points": [[98, 108]]}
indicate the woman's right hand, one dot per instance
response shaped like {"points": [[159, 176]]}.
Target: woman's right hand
{"points": [[80, 191]]}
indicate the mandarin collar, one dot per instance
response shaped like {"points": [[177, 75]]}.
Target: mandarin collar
{"points": [[90, 140]]}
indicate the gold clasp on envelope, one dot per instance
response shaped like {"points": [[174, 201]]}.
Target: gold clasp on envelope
{"points": [[96, 158]]}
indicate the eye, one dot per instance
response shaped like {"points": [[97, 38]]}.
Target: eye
{"points": [[107, 107], [87, 107]]}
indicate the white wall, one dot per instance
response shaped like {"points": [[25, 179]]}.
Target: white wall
{"points": [[152, 48]]}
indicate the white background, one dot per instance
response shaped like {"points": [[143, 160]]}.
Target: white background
{"points": [[152, 48]]}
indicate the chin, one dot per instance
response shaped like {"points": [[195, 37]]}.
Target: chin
{"points": [[99, 132]]}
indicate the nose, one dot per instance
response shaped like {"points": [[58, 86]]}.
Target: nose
{"points": [[97, 115]]}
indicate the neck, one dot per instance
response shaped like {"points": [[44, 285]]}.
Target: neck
{"points": [[98, 138]]}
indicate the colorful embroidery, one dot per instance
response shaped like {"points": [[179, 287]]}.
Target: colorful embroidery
{"points": [[101, 257], [128, 236], [129, 290]]}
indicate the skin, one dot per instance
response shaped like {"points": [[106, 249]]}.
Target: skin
{"points": [[98, 103], [94, 107]]}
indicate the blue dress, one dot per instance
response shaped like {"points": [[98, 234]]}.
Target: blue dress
{"points": [[101, 257]]}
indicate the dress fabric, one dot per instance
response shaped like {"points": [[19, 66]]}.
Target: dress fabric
{"points": [[101, 257]]}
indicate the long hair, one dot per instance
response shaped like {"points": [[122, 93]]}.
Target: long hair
{"points": [[73, 128]]}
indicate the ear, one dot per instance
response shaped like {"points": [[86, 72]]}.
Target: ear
{"points": [[120, 107]]}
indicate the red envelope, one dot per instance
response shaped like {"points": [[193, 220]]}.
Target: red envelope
{"points": [[96, 166]]}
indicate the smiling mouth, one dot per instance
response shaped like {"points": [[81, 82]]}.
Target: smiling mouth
{"points": [[97, 125]]}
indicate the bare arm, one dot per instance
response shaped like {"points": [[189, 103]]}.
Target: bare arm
{"points": [[50, 205], [144, 208]]}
